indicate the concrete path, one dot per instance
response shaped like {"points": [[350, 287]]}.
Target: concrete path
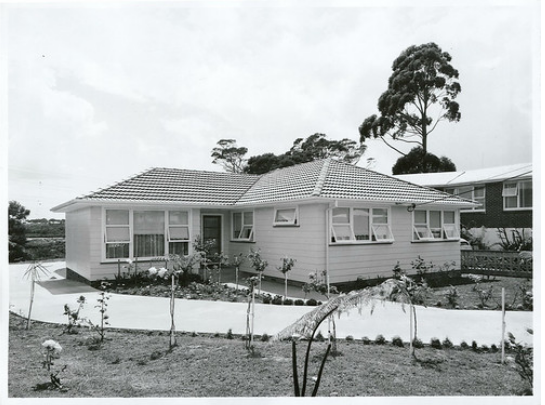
{"points": [[152, 313]]}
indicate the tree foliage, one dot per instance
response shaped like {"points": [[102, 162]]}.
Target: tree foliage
{"points": [[17, 215], [420, 94], [304, 150], [229, 155], [413, 163]]}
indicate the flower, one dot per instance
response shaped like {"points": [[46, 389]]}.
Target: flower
{"points": [[162, 272], [152, 271], [52, 345]]}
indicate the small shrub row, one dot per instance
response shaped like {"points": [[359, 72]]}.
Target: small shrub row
{"points": [[279, 300]]}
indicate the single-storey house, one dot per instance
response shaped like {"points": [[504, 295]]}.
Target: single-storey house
{"points": [[325, 214], [504, 194]]}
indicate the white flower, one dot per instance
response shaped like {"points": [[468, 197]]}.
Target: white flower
{"points": [[162, 271], [152, 271], [50, 344]]}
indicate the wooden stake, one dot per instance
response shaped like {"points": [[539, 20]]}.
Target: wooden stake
{"points": [[502, 325]]}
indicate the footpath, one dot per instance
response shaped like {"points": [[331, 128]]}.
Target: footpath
{"points": [[153, 313]]}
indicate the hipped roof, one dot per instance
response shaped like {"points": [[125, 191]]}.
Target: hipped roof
{"points": [[323, 179]]}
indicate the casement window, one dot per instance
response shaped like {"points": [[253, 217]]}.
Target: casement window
{"points": [[474, 193], [349, 225], [145, 234], [286, 217], [434, 225], [243, 226], [178, 232], [117, 234], [517, 195]]}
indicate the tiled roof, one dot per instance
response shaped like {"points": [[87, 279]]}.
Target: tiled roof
{"points": [[328, 179], [178, 185], [487, 175]]}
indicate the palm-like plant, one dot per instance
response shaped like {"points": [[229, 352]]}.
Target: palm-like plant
{"points": [[34, 273]]}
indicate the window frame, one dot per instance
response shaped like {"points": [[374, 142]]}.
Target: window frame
{"points": [[294, 222], [243, 227], [445, 228], [517, 194], [130, 226], [373, 227], [460, 192]]}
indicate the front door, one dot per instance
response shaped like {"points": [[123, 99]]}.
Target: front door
{"points": [[211, 230]]}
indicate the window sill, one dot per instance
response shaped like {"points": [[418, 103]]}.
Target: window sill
{"points": [[435, 241], [518, 209], [242, 241], [359, 243], [286, 225]]}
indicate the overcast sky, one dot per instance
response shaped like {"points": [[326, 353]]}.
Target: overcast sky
{"points": [[98, 93]]}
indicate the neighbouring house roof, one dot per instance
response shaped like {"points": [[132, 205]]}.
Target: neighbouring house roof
{"points": [[326, 179], [479, 176]]}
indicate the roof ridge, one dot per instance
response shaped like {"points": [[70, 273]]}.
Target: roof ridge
{"points": [[322, 176]]}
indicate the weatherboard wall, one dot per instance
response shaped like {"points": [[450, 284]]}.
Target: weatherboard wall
{"points": [[78, 243]]}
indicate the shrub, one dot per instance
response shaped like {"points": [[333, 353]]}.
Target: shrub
{"points": [[436, 343], [288, 301], [484, 348], [380, 340], [417, 343], [311, 302], [447, 344], [266, 299], [464, 345], [365, 340], [229, 334], [474, 346], [493, 348], [319, 337], [452, 296], [299, 302], [397, 341], [265, 337], [277, 300], [349, 338]]}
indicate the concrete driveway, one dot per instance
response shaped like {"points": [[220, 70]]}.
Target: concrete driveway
{"points": [[152, 313]]}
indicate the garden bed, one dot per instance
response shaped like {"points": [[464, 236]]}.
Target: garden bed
{"points": [[139, 364]]}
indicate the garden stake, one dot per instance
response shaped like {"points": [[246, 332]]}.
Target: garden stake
{"points": [[502, 325]]}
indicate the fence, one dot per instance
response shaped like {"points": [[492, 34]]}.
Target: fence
{"points": [[497, 263]]}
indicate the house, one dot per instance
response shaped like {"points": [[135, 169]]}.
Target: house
{"points": [[326, 214], [504, 195]]}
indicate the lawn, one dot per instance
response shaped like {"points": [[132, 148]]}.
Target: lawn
{"points": [[138, 364]]}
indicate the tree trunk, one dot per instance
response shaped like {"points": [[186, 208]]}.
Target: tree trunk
{"points": [[31, 302], [285, 286], [172, 342]]}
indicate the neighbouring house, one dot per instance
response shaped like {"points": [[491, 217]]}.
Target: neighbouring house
{"points": [[504, 195], [348, 220]]}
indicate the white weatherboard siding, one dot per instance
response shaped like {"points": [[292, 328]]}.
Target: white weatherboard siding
{"points": [[304, 243], [77, 241], [347, 262]]}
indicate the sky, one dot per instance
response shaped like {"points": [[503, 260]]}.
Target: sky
{"points": [[94, 93]]}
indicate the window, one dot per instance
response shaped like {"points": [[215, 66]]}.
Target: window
{"points": [[474, 193], [117, 235], [434, 225], [149, 233], [517, 195], [286, 217], [144, 234], [178, 232], [360, 225], [243, 226]]}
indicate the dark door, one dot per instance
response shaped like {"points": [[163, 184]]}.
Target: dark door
{"points": [[211, 231]]}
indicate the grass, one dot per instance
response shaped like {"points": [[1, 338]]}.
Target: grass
{"points": [[138, 364]]}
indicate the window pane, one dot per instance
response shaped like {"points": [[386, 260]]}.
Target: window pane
{"points": [[117, 234], [361, 224], [149, 222], [422, 232], [237, 224], [435, 219], [179, 233], [509, 190], [526, 194], [178, 248], [510, 202], [246, 232], [285, 216], [449, 217], [341, 215], [178, 218], [382, 232], [248, 218], [342, 232], [149, 245], [451, 232], [478, 192], [380, 216], [117, 250], [420, 217], [117, 217]]}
